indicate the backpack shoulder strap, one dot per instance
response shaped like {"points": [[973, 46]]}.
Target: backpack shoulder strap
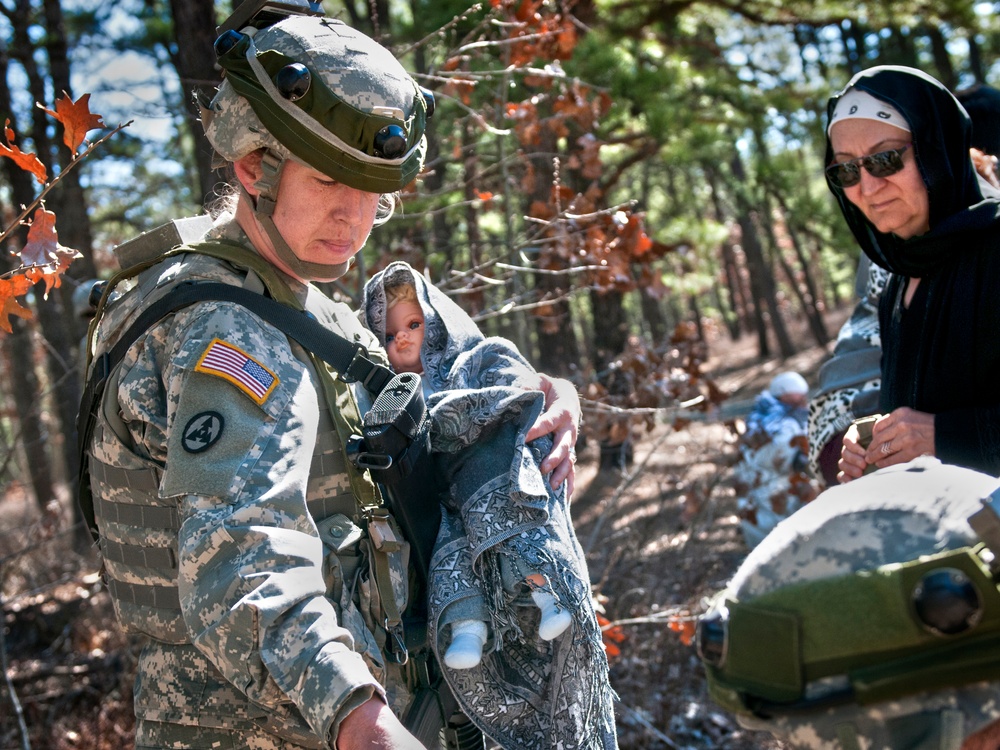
{"points": [[349, 359]]}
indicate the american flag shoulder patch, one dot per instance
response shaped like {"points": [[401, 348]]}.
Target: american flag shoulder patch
{"points": [[239, 368]]}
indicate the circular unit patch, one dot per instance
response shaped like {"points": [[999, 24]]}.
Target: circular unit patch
{"points": [[202, 431]]}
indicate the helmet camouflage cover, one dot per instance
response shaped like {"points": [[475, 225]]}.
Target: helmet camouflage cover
{"points": [[823, 640], [316, 90]]}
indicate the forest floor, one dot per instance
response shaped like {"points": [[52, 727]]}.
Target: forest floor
{"points": [[661, 536]]}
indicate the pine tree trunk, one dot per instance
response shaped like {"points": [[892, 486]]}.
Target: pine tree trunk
{"points": [[194, 33], [806, 298], [21, 382], [57, 325], [558, 349], [739, 320], [31, 432], [653, 316], [762, 284]]}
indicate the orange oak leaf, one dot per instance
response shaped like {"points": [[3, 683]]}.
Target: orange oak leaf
{"points": [[613, 635], [76, 118], [685, 627], [461, 89], [52, 273], [567, 40], [43, 242], [10, 290], [27, 162], [527, 10], [45, 257]]}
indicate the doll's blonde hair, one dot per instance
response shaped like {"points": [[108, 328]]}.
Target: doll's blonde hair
{"points": [[403, 291]]}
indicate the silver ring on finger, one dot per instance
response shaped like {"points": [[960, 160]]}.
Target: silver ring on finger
{"points": [[886, 449]]}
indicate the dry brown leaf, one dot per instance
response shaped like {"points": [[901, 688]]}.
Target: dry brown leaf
{"points": [[10, 290], [76, 118], [27, 162]]}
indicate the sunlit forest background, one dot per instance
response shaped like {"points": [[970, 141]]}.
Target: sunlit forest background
{"points": [[616, 185], [598, 170]]}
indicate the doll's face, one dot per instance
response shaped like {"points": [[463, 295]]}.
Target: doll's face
{"points": [[404, 334]]}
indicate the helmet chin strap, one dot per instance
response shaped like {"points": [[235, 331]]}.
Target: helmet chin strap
{"points": [[263, 211]]}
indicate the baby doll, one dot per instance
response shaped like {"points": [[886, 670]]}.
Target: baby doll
{"points": [[404, 336]]}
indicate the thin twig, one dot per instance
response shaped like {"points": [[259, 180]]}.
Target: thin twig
{"points": [[550, 271], [674, 614], [599, 407], [440, 32], [508, 308], [506, 42], [55, 181]]}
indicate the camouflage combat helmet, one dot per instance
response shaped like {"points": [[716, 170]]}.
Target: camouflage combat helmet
{"points": [[870, 619], [315, 90]]}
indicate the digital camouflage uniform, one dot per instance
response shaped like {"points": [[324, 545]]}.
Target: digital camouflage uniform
{"points": [[844, 666], [232, 526], [242, 556]]}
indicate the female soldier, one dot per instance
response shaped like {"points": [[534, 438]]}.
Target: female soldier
{"points": [[235, 533]]}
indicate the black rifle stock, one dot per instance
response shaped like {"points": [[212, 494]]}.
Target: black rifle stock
{"points": [[395, 448]]}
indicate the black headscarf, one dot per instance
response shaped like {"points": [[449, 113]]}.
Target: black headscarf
{"points": [[960, 201], [982, 102]]}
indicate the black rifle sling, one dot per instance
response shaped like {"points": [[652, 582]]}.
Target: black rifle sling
{"points": [[349, 359]]}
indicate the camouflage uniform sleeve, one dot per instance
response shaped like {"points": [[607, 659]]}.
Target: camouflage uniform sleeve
{"points": [[241, 422]]}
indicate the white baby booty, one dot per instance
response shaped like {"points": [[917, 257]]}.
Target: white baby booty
{"points": [[467, 640], [555, 619]]}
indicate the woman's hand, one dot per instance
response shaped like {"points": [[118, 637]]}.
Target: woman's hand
{"points": [[562, 418], [901, 436], [898, 437], [373, 726], [852, 462]]}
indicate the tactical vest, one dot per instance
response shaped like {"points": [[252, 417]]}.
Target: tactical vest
{"points": [[138, 531]]}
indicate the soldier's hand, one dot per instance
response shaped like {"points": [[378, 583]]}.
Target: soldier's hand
{"points": [[562, 418], [372, 726]]}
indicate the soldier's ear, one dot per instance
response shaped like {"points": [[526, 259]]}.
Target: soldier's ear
{"points": [[248, 170]]}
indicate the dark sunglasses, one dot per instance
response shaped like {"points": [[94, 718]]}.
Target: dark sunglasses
{"points": [[883, 164]]}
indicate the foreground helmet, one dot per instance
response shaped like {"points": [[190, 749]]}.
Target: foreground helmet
{"points": [[321, 92], [868, 619]]}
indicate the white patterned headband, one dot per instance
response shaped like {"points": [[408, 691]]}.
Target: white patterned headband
{"points": [[860, 105]]}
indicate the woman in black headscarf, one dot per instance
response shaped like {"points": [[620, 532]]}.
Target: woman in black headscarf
{"points": [[899, 165]]}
